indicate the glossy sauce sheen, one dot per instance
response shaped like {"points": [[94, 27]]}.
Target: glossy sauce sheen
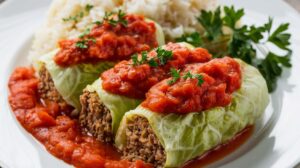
{"points": [[221, 151], [221, 77], [134, 81], [60, 134], [111, 42]]}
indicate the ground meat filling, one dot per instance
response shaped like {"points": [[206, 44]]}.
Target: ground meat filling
{"points": [[95, 117], [47, 90], [142, 143]]}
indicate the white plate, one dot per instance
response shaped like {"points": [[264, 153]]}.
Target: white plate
{"points": [[275, 142]]}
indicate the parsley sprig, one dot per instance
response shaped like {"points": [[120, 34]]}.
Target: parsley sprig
{"points": [[85, 39], [175, 74], [163, 55], [136, 61], [245, 42], [162, 58], [189, 75]]}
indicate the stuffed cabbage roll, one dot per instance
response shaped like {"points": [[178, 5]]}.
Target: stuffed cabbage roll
{"points": [[65, 72], [175, 133], [123, 87]]}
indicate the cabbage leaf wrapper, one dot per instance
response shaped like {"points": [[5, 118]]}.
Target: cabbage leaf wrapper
{"points": [[185, 137], [117, 105], [71, 81]]}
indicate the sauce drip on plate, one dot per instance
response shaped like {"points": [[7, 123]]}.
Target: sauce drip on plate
{"points": [[60, 134]]}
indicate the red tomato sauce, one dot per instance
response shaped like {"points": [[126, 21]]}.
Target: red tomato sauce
{"points": [[60, 134], [221, 77], [134, 81], [110, 43]]}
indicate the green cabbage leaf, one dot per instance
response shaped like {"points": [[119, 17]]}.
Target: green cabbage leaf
{"points": [[185, 137], [117, 105], [71, 81]]}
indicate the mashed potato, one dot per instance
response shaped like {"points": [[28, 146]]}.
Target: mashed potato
{"points": [[175, 16]]}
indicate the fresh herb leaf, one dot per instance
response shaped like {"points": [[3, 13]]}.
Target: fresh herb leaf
{"points": [[256, 33], [240, 46], [153, 63], [80, 15], [81, 44], [163, 55], [175, 74], [136, 61], [120, 19], [189, 75], [271, 68], [144, 57], [74, 18], [193, 38], [280, 37], [199, 78], [246, 41], [97, 22], [86, 32], [268, 25], [88, 7], [212, 23], [232, 16]]}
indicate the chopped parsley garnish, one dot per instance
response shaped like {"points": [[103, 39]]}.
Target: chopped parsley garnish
{"points": [[189, 75], [86, 32], [98, 22], [199, 78], [80, 15], [83, 43], [162, 57], [244, 42], [119, 19], [74, 18], [84, 40], [153, 63], [136, 61], [175, 74]]}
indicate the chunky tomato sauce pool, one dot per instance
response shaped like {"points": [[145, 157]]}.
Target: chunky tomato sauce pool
{"points": [[60, 134], [108, 42], [221, 77], [134, 81]]}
